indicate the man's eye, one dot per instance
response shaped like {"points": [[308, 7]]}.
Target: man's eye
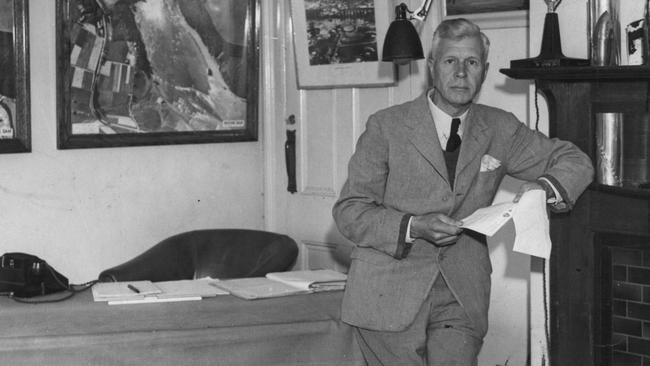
{"points": [[449, 61]]}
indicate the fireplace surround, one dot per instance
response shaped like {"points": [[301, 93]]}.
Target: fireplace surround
{"points": [[598, 276]]}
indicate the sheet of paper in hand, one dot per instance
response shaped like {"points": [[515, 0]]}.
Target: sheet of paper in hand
{"points": [[530, 219]]}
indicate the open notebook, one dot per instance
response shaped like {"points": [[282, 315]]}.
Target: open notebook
{"points": [[277, 284], [139, 292]]}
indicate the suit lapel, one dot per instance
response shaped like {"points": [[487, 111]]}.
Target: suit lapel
{"points": [[474, 145], [423, 135]]}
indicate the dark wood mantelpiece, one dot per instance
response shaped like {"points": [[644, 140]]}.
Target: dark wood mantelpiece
{"points": [[602, 88], [578, 324], [593, 73]]}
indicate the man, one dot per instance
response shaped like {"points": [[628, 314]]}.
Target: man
{"points": [[419, 285]]}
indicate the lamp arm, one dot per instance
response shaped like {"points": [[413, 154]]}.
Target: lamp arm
{"points": [[421, 12]]}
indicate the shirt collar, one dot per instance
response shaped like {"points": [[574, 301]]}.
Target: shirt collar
{"points": [[442, 120]]}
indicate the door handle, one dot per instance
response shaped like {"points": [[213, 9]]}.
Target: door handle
{"points": [[290, 154]]}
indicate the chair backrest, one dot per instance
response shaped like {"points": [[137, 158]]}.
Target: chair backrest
{"points": [[217, 253]]}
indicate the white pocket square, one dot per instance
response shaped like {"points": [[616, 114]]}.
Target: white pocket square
{"points": [[489, 163]]}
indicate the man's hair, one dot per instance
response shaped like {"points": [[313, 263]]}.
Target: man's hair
{"points": [[457, 29]]}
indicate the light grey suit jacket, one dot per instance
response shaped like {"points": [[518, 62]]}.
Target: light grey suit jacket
{"points": [[398, 169]]}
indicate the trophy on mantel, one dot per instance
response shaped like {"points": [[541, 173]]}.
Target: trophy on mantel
{"points": [[551, 53]]}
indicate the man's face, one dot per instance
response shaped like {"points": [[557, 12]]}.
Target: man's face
{"points": [[457, 72]]}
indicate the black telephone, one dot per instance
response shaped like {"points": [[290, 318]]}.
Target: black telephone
{"points": [[25, 275]]}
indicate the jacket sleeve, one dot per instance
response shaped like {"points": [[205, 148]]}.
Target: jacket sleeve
{"points": [[533, 155], [360, 213]]}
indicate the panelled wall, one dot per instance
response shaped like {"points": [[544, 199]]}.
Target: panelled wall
{"points": [[328, 123]]}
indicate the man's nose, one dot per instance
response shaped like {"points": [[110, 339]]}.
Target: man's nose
{"points": [[461, 70]]}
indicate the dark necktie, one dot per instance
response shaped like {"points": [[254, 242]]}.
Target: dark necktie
{"points": [[454, 140]]}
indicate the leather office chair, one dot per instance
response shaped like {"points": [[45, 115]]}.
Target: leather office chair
{"points": [[217, 253]]}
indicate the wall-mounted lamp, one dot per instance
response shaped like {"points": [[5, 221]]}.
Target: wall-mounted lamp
{"points": [[402, 43]]}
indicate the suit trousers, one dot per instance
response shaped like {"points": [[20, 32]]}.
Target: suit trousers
{"points": [[440, 335]]}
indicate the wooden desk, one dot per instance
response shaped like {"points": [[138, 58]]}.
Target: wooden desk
{"points": [[293, 330]]}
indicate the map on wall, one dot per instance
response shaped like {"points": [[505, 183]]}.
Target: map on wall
{"points": [[143, 66]]}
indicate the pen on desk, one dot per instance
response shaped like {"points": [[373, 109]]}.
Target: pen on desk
{"points": [[133, 288]]}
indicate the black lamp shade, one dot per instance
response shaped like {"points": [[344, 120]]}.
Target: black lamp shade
{"points": [[402, 43]]}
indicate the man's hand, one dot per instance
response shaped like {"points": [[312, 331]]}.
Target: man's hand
{"points": [[436, 228], [528, 186]]}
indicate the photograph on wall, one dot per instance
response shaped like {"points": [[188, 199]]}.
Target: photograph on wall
{"points": [[458, 7], [14, 75], [337, 43], [341, 33], [8, 67], [150, 72]]}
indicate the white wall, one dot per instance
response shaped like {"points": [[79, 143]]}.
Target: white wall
{"points": [[86, 210]]}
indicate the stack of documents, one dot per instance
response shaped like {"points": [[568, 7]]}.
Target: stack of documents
{"points": [[140, 292], [284, 283]]}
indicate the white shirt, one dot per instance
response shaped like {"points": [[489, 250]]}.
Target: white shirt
{"points": [[443, 121]]}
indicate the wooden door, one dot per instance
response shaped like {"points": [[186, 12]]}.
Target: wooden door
{"points": [[327, 125]]}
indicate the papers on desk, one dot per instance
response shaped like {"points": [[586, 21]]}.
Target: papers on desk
{"points": [[253, 288], [313, 280], [529, 215], [278, 284], [106, 291], [142, 292]]}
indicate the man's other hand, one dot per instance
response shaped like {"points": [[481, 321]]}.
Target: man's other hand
{"points": [[528, 186], [436, 228]]}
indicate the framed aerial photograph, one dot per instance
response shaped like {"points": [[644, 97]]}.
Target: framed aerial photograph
{"points": [[337, 43], [15, 130], [458, 7], [156, 72]]}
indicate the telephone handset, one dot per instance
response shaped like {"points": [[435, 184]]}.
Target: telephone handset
{"points": [[26, 275]]}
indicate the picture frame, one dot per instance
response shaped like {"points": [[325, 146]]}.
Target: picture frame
{"points": [[15, 116], [462, 7], [156, 72], [337, 43]]}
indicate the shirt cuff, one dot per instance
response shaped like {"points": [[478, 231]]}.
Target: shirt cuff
{"points": [[408, 237], [557, 197]]}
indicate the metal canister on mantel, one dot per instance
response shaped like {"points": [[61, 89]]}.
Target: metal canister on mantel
{"points": [[604, 32], [609, 146]]}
